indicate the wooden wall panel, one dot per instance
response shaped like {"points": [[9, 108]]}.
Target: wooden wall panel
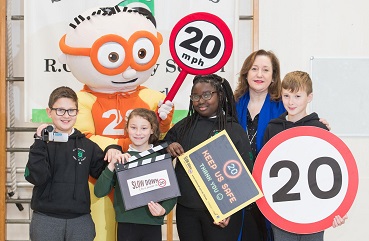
{"points": [[2, 117]]}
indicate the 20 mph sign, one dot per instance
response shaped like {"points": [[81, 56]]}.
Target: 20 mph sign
{"points": [[308, 175]]}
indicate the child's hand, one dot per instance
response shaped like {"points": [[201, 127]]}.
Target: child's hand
{"points": [[112, 162], [122, 158], [156, 209], [338, 220], [40, 128], [111, 153], [224, 223], [325, 122], [175, 149]]}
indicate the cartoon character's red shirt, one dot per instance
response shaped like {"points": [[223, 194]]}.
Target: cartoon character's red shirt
{"points": [[102, 116]]}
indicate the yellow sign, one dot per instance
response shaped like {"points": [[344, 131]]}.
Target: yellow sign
{"points": [[220, 176]]}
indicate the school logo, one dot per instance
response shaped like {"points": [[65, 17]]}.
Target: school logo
{"points": [[79, 155], [215, 132]]}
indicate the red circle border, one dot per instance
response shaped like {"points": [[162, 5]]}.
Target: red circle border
{"points": [[207, 17], [353, 182]]}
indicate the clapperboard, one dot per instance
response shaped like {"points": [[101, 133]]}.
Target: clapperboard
{"points": [[144, 179]]}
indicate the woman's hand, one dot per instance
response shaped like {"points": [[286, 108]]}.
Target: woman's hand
{"points": [[175, 149], [224, 223], [156, 209]]}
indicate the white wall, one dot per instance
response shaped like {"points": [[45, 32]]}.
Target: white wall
{"points": [[297, 30]]}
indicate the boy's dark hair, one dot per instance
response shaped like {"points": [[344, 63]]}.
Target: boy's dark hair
{"points": [[152, 118], [62, 92], [297, 80], [226, 106], [274, 88]]}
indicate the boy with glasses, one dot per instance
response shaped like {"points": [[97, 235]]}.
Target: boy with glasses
{"points": [[59, 172]]}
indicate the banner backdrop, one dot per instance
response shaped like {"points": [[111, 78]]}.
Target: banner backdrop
{"points": [[47, 21]]}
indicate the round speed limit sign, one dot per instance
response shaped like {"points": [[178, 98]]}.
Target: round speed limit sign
{"points": [[200, 43], [308, 176]]}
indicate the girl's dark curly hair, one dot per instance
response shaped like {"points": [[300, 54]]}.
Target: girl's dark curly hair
{"points": [[226, 107]]}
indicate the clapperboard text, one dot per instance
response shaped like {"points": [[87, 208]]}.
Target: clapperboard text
{"points": [[148, 182]]}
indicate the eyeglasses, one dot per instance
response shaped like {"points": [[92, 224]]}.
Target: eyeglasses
{"points": [[61, 112], [205, 96], [111, 54]]}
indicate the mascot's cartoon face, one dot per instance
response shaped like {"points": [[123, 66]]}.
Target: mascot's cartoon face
{"points": [[111, 49]]}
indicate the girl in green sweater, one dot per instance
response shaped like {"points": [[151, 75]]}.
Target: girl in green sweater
{"points": [[143, 223]]}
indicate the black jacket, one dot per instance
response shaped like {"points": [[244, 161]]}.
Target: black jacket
{"points": [[60, 172], [280, 124], [201, 131]]}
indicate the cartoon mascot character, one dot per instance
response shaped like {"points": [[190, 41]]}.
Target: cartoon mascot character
{"points": [[112, 51]]}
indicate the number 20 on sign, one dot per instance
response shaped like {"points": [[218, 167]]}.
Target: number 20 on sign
{"points": [[308, 176], [200, 43]]}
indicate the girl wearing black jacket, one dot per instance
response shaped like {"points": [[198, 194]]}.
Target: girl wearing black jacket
{"points": [[211, 110]]}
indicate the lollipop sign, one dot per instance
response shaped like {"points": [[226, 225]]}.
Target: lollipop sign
{"points": [[200, 43]]}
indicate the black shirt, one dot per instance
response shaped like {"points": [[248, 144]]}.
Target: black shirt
{"points": [[252, 127]]}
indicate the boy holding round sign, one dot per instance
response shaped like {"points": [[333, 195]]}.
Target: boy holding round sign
{"points": [[304, 174]]}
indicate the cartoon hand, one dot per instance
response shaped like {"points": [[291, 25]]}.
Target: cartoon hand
{"points": [[165, 108]]}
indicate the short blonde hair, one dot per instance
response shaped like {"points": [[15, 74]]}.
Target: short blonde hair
{"points": [[297, 80]]}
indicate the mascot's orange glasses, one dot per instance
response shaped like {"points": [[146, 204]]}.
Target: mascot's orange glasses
{"points": [[111, 54]]}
